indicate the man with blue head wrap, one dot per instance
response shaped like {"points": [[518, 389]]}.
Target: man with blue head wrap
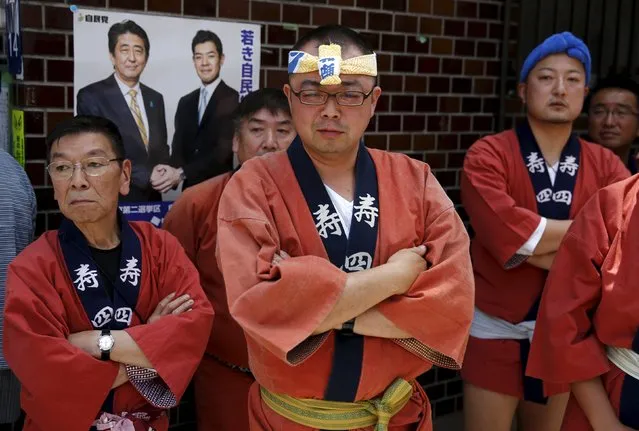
{"points": [[521, 189]]}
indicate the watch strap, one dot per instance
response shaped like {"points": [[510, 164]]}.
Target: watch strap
{"points": [[347, 327]]}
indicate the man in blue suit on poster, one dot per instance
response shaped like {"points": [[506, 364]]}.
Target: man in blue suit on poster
{"points": [[136, 109]]}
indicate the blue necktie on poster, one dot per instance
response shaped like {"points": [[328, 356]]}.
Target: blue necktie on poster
{"points": [[202, 108]]}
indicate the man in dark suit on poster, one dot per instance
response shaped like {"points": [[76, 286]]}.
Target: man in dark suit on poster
{"points": [[202, 143], [136, 109]]}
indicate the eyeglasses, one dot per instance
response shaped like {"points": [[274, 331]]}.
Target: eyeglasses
{"points": [[343, 98], [617, 113], [92, 166]]}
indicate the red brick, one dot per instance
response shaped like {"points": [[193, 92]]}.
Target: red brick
{"points": [[460, 123], [438, 84], [491, 105], [474, 67], [55, 118], [389, 123], [471, 104], [466, 9], [486, 49], [59, 71], [384, 62], [425, 142], [35, 147], [36, 172], [451, 66], [353, 18], [43, 43], [454, 28], [488, 11], [261, 11], [426, 104], [464, 48], [415, 84], [417, 46], [414, 123], [281, 36], [435, 161], [271, 57], [399, 142], [391, 82], [441, 46], [447, 142], [372, 38], [484, 86], [497, 31], [297, 14], [493, 68], [466, 140], [31, 16], [341, 2], [376, 141], [70, 45], [276, 78], [395, 5], [33, 123], [405, 23], [477, 29], [444, 7], [404, 63], [420, 6], [372, 125], [41, 96], [127, 4], [33, 69], [168, 6], [449, 104], [430, 26], [393, 42], [70, 98], [462, 85], [371, 4], [380, 21], [238, 9], [200, 7], [428, 65], [456, 160], [403, 103], [383, 103]]}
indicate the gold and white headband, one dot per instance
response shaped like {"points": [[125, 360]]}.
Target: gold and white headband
{"points": [[330, 65]]}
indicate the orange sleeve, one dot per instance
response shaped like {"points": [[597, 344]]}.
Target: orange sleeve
{"points": [[175, 344], [438, 308], [500, 225], [565, 347], [280, 306], [62, 386]]}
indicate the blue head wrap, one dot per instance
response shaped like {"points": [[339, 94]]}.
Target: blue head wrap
{"points": [[560, 43]]}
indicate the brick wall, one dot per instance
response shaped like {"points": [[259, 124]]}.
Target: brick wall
{"points": [[439, 63]]}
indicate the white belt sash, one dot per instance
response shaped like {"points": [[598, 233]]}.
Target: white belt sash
{"points": [[489, 327], [625, 359]]}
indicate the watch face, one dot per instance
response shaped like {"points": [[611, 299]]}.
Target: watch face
{"points": [[105, 342]]}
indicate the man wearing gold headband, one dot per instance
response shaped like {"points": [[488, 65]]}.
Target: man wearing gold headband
{"points": [[347, 268]]}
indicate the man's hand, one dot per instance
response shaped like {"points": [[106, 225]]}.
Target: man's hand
{"points": [[87, 341], [169, 305], [165, 177], [408, 263]]}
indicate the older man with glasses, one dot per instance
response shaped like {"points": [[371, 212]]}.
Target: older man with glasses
{"points": [[613, 117], [347, 268], [95, 323]]}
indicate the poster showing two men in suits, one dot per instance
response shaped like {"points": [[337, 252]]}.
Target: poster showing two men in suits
{"points": [[171, 85]]}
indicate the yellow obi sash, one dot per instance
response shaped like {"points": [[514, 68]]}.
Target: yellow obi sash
{"points": [[335, 415]]}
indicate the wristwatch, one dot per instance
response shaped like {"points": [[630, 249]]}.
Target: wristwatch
{"points": [[182, 174], [105, 344], [347, 327]]}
